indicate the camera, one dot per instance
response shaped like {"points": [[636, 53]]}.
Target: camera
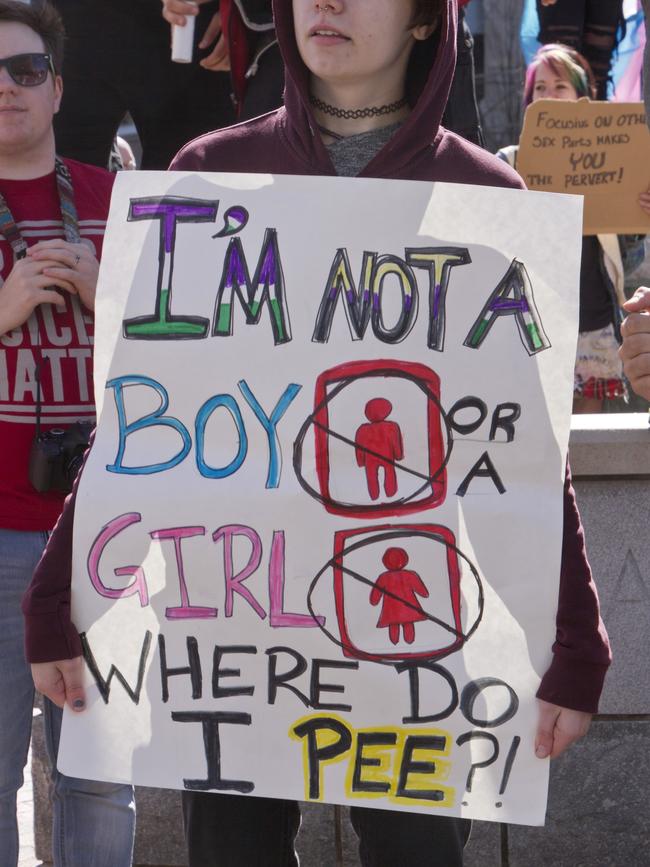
{"points": [[56, 456]]}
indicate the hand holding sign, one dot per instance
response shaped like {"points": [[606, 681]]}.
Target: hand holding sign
{"points": [[558, 728], [644, 201], [61, 682]]}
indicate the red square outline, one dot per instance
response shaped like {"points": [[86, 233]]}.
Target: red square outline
{"points": [[358, 370], [453, 571]]}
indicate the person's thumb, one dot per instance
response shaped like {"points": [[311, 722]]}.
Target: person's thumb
{"points": [[639, 301], [72, 673], [548, 715]]}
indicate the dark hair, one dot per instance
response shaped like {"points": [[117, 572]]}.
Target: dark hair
{"points": [[426, 12], [41, 17]]}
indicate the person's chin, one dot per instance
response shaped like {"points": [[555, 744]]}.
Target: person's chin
{"points": [[13, 141], [325, 61], [12, 120], [328, 71]]}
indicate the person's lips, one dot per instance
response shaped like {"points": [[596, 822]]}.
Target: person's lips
{"points": [[326, 34], [10, 108]]}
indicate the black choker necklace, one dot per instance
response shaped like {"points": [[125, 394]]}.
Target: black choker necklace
{"points": [[356, 113]]}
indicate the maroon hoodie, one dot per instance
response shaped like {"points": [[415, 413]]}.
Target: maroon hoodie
{"points": [[287, 141]]}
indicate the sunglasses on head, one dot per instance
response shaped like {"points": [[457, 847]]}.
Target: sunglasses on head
{"points": [[28, 70]]}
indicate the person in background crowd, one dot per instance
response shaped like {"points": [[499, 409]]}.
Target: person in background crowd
{"points": [[118, 60], [635, 330], [52, 218], [588, 26], [366, 86], [125, 151], [121, 157], [559, 72], [461, 112], [635, 349], [646, 62], [243, 39]]}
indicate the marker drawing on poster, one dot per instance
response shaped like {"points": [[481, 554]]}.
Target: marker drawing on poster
{"points": [[317, 540], [600, 150]]}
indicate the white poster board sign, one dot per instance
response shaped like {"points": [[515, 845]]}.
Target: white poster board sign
{"points": [[317, 540]]}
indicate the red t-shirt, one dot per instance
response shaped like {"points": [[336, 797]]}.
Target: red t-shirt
{"points": [[59, 340]]}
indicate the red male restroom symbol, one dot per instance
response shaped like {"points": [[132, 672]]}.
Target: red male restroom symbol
{"points": [[395, 485], [379, 445], [397, 589]]}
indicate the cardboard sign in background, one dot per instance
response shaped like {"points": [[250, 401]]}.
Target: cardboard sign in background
{"points": [[317, 540], [600, 150]]}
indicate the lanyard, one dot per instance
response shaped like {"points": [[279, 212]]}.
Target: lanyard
{"points": [[10, 230]]}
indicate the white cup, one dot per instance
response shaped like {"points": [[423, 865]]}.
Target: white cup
{"points": [[183, 41]]}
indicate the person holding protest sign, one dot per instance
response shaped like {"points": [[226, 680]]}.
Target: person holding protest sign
{"points": [[52, 218], [367, 85], [353, 109], [559, 72]]}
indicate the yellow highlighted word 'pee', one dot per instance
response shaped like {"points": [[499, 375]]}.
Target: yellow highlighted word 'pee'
{"points": [[405, 766]]}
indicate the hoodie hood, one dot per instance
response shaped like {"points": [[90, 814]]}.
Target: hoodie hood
{"points": [[287, 141], [430, 73]]}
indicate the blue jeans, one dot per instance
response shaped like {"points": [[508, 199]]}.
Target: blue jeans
{"points": [[94, 822]]}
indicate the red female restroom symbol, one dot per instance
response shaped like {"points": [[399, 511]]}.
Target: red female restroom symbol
{"points": [[397, 590]]}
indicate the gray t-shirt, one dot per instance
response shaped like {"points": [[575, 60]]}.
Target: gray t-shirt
{"points": [[352, 154]]}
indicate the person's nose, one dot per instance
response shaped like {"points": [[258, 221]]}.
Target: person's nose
{"points": [[332, 6], [6, 81]]}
